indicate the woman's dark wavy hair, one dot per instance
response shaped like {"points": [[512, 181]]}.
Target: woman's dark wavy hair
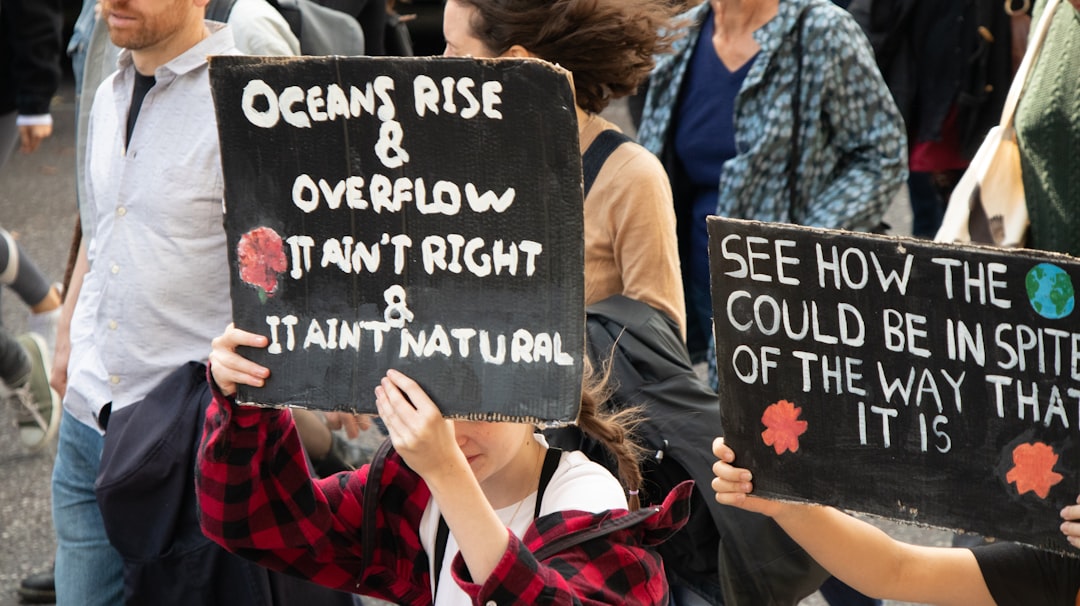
{"points": [[613, 429], [608, 45]]}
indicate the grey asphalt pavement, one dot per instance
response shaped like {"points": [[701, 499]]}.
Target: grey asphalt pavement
{"points": [[37, 203]]}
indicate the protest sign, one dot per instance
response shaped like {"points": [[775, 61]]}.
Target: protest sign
{"points": [[931, 383], [417, 214]]}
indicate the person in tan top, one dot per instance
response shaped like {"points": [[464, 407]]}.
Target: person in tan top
{"points": [[630, 243]]}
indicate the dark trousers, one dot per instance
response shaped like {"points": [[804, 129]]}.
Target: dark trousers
{"points": [[929, 193], [26, 280]]}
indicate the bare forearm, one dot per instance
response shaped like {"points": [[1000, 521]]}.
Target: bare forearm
{"points": [[71, 295], [62, 350], [857, 552], [874, 563]]}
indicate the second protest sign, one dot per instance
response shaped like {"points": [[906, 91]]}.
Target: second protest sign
{"points": [[924, 382]]}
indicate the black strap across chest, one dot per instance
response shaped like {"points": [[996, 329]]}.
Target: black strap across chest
{"points": [[597, 153], [551, 463]]}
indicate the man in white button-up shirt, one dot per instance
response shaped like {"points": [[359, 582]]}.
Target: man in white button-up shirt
{"points": [[151, 287]]}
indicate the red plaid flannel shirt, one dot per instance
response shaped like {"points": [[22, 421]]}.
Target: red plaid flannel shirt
{"points": [[257, 499]]}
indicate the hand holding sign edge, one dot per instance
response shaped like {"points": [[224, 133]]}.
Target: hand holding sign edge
{"points": [[734, 484], [229, 368]]}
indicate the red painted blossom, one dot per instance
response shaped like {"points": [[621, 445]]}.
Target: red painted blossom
{"points": [[783, 426], [1033, 469], [261, 256]]}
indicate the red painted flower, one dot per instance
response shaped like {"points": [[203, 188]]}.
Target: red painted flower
{"points": [[261, 255], [783, 426], [1033, 469]]}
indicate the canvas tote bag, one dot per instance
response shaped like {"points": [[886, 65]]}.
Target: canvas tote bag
{"points": [[987, 206]]}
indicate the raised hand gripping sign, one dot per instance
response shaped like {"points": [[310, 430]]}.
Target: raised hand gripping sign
{"points": [[931, 383], [417, 214]]}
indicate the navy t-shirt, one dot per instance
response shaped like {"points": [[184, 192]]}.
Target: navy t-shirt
{"points": [[704, 140]]}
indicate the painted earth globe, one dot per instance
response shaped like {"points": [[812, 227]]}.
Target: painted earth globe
{"points": [[1050, 291]]}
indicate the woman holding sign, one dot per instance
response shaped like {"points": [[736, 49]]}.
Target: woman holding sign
{"points": [[1001, 574], [462, 513], [630, 244]]}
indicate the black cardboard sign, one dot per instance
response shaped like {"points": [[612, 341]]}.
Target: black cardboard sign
{"points": [[417, 214], [931, 383]]}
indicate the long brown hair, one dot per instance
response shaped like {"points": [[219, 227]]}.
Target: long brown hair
{"points": [[608, 45], [613, 429]]}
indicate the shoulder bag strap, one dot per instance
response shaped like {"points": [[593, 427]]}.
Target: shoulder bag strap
{"points": [[551, 463], [794, 210], [219, 10], [1030, 56]]}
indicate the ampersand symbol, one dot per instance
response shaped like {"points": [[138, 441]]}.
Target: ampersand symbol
{"points": [[397, 312], [388, 147]]}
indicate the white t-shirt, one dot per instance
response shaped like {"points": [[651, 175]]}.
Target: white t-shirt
{"points": [[577, 484]]}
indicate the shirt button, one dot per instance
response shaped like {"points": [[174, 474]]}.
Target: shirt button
{"points": [[114, 379], [115, 268], [112, 324], [121, 211]]}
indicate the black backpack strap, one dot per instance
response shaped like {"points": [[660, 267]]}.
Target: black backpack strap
{"points": [[371, 499], [219, 10], [551, 463], [440, 551], [597, 153]]}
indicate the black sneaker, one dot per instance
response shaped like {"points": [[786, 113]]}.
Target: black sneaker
{"points": [[38, 588]]}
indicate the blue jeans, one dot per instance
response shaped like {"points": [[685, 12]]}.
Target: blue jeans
{"points": [[89, 571], [80, 38]]}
